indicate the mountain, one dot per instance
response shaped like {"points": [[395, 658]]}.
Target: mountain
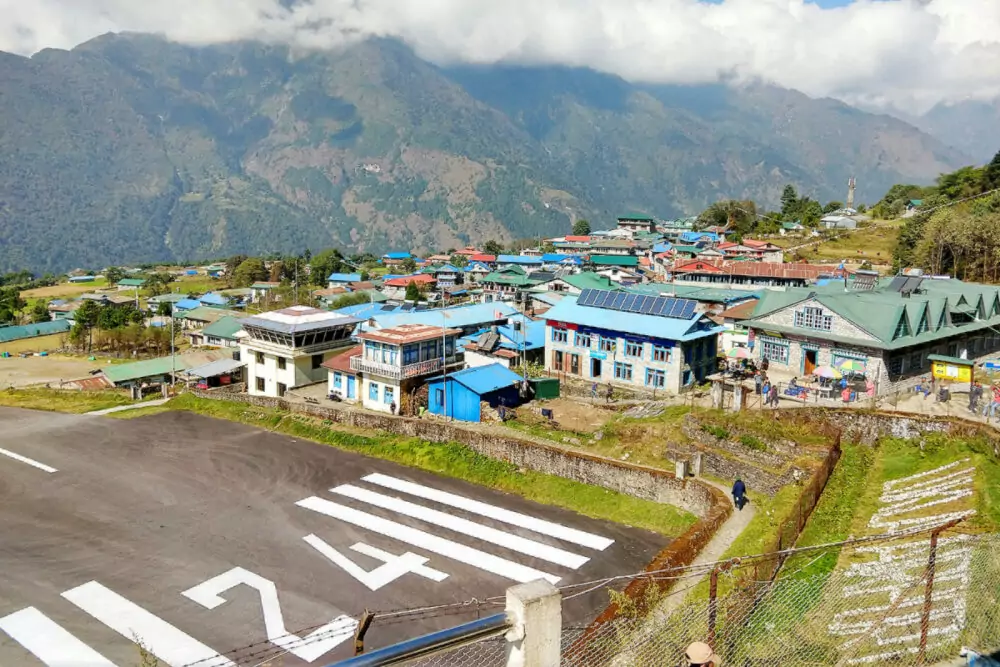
{"points": [[971, 126], [130, 148]]}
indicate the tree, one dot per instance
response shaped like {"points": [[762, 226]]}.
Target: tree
{"points": [[789, 198], [581, 228], [833, 206], [11, 304], [547, 247], [739, 216], [409, 265], [114, 275], [459, 261], [275, 273], [365, 276], [251, 271], [86, 318], [413, 292], [323, 264], [492, 247], [991, 174], [158, 283], [40, 312], [165, 309]]}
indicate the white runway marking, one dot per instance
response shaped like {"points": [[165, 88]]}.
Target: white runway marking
{"points": [[464, 526], [50, 642], [136, 624], [30, 462], [540, 526], [428, 542]]}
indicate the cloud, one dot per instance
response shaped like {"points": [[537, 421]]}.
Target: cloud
{"points": [[909, 54]]}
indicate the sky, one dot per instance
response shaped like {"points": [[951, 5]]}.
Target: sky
{"points": [[901, 54]]}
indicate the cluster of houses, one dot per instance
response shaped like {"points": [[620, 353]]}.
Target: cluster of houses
{"points": [[648, 306]]}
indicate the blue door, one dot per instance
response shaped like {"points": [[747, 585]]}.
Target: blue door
{"points": [[351, 389]]}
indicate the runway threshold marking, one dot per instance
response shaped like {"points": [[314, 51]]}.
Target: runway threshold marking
{"points": [[25, 459], [48, 641]]}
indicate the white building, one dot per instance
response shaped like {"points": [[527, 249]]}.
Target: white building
{"points": [[396, 360], [286, 348]]}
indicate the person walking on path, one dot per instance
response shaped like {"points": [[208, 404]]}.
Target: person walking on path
{"points": [[758, 380], [990, 409], [593, 391], [975, 394], [773, 397], [739, 494], [700, 654], [611, 392]]}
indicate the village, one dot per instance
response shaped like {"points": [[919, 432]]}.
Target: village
{"points": [[649, 309]]}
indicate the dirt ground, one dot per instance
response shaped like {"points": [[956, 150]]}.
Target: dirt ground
{"points": [[63, 290], [579, 416], [19, 372]]}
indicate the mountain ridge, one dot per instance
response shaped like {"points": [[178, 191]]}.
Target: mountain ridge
{"points": [[132, 148]]}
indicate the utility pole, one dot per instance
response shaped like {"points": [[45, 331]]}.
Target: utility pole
{"points": [[296, 286], [173, 358], [850, 192]]}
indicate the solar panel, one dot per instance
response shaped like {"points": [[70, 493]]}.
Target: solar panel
{"points": [[665, 306], [650, 305], [618, 301], [586, 298], [637, 304], [676, 308], [627, 304], [897, 283], [688, 311], [605, 300]]}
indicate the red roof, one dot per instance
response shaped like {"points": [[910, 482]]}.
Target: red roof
{"points": [[420, 279], [342, 362], [480, 257], [759, 269], [741, 311], [577, 239], [726, 244], [408, 333], [696, 265], [467, 251]]}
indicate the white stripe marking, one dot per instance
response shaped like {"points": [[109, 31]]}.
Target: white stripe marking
{"points": [[540, 526], [385, 557], [433, 543], [136, 624], [464, 526], [30, 462], [50, 642]]}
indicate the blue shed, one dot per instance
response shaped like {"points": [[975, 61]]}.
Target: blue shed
{"points": [[465, 390]]}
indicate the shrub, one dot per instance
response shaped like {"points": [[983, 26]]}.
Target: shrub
{"points": [[753, 442], [717, 431]]}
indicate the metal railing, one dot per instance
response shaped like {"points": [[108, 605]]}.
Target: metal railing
{"points": [[397, 372]]}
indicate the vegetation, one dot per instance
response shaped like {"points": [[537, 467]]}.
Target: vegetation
{"points": [[61, 400], [492, 247], [455, 460], [581, 228]]}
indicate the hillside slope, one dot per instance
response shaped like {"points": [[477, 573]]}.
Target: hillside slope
{"points": [[129, 148]]}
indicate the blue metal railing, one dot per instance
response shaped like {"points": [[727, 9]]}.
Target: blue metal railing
{"points": [[430, 644]]}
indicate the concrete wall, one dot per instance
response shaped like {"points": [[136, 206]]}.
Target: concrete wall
{"points": [[298, 371]]}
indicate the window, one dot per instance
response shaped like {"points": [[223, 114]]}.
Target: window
{"points": [[773, 350], [915, 361], [660, 353], [317, 361], [389, 395], [656, 378], [813, 318], [282, 388], [258, 357], [260, 384], [582, 340], [623, 371], [338, 380], [607, 344], [439, 397], [559, 336], [281, 363], [896, 366], [373, 391], [902, 329], [633, 349]]}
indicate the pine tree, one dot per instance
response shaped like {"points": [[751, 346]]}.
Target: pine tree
{"points": [[581, 228], [789, 200], [991, 175]]}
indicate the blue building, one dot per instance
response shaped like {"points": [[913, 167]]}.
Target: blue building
{"points": [[651, 342], [342, 279], [461, 395], [519, 260], [214, 300]]}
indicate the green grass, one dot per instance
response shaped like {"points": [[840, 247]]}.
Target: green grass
{"points": [[55, 400], [452, 460], [872, 244]]}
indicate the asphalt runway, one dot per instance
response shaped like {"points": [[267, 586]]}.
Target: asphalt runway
{"points": [[195, 537]]}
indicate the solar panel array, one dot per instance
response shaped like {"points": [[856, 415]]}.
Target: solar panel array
{"points": [[660, 306]]}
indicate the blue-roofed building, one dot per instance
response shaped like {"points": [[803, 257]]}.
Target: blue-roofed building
{"points": [[663, 246], [506, 345], [461, 395], [556, 260], [469, 318], [391, 258], [214, 300], [342, 279], [699, 237], [446, 275], [647, 342], [520, 260], [187, 304]]}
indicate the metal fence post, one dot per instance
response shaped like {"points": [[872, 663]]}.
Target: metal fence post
{"points": [[713, 605], [925, 616]]}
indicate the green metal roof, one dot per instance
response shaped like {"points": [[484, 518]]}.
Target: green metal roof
{"points": [[226, 327], [207, 314], [951, 360], [614, 260], [132, 282], [693, 249], [172, 297], [8, 334], [636, 216], [143, 369], [589, 280], [509, 275]]}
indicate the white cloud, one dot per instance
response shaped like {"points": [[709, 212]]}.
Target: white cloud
{"points": [[907, 53]]}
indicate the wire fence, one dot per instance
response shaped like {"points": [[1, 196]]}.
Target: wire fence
{"points": [[914, 600]]}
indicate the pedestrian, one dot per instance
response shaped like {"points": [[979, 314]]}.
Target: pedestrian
{"points": [[990, 410], [976, 659], [739, 494], [700, 654], [765, 387], [610, 393], [392, 408], [593, 391], [773, 397], [757, 382], [764, 364], [975, 394]]}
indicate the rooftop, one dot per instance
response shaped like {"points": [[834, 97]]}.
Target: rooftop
{"points": [[404, 281], [686, 325], [408, 333], [342, 362], [344, 277], [484, 379], [298, 318], [224, 327]]}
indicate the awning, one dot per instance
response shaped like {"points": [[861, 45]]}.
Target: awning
{"points": [[214, 369]]}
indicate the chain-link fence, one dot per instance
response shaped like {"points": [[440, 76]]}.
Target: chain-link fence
{"points": [[878, 601]]}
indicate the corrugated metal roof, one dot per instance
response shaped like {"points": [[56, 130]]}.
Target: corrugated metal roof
{"points": [[614, 260], [213, 299], [397, 255], [131, 282], [461, 317], [518, 259], [225, 327], [8, 334], [677, 329], [484, 379], [215, 368], [530, 337], [159, 366], [344, 277], [187, 304]]}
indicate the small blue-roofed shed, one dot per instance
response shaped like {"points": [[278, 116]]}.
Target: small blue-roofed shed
{"points": [[461, 395]]}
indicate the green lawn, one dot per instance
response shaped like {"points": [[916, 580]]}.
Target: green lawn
{"points": [[450, 459], [56, 400]]}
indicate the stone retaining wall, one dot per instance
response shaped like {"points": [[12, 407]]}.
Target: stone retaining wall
{"points": [[635, 480], [867, 427]]}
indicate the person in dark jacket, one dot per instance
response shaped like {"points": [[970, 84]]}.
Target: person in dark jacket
{"points": [[739, 494], [975, 395]]}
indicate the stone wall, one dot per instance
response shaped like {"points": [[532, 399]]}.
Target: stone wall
{"points": [[635, 480], [867, 426]]}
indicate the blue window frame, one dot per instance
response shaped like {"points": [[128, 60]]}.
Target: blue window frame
{"points": [[582, 340], [389, 395], [633, 349], [661, 353], [623, 371], [608, 344], [373, 391], [559, 336], [773, 350], [656, 378], [338, 379]]}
